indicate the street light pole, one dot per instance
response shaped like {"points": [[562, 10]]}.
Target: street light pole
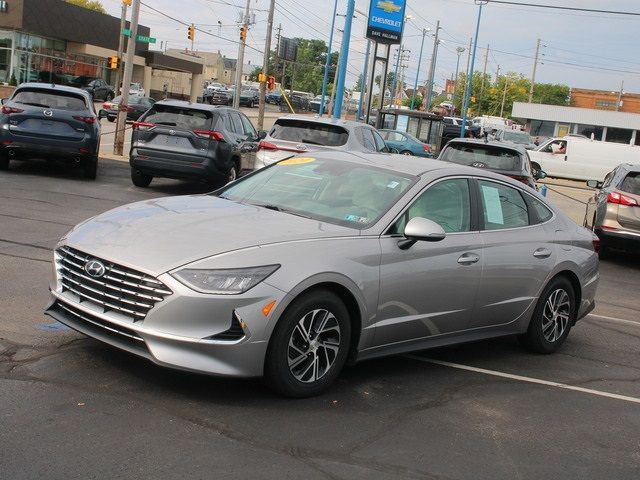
{"points": [[415, 84], [459, 51], [467, 95], [123, 24], [240, 61], [121, 119], [363, 83], [533, 74], [327, 62]]}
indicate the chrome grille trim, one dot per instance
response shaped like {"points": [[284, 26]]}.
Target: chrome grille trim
{"points": [[112, 329], [120, 289]]}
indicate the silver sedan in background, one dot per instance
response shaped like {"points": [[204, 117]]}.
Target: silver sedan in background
{"points": [[316, 261]]}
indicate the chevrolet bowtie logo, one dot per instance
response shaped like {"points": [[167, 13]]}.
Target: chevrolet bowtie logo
{"points": [[388, 6]]}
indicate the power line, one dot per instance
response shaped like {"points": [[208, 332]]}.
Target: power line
{"points": [[562, 7]]}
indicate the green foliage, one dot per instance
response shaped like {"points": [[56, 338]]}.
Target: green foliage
{"points": [[511, 87], [90, 4], [358, 86], [253, 76], [416, 105], [13, 81]]}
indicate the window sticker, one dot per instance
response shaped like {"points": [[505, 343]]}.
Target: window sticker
{"points": [[297, 161], [393, 184], [492, 205], [356, 219]]}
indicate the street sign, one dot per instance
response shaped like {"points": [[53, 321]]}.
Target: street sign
{"points": [[139, 38], [386, 21], [145, 39]]}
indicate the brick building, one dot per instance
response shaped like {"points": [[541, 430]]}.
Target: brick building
{"points": [[605, 100]]}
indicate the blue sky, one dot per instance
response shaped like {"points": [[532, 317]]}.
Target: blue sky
{"points": [[582, 50]]}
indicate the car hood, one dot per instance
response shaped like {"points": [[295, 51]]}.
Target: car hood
{"points": [[158, 235]]}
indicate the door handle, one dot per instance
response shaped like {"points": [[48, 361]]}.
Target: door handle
{"points": [[468, 259], [542, 253]]}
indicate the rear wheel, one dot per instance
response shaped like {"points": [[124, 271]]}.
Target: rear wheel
{"points": [[140, 179], [552, 318], [309, 345], [90, 168], [111, 119], [406, 152]]}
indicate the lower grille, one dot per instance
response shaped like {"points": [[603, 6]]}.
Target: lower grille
{"points": [[117, 288], [234, 332], [97, 322]]}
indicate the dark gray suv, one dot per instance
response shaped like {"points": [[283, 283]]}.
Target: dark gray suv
{"points": [[50, 121], [192, 141]]}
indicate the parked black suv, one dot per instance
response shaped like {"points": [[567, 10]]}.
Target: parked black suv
{"points": [[96, 87], [50, 121], [510, 160], [177, 139]]}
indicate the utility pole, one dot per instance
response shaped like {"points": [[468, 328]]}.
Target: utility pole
{"points": [[415, 84], [618, 104], [497, 74], [467, 75], [121, 119], [432, 69], [533, 74], [459, 51], [484, 74], [123, 24], [504, 95], [332, 98], [344, 56], [400, 57], [240, 61], [265, 66], [327, 62], [363, 83]]}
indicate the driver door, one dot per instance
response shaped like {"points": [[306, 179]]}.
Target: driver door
{"points": [[430, 289]]}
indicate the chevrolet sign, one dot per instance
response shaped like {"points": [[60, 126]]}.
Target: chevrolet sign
{"points": [[386, 21]]}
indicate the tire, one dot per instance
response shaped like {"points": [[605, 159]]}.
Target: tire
{"points": [[108, 97], [4, 163], [604, 253], [90, 168], [111, 119], [547, 330], [296, 367], [140, 179], [406, 152]]}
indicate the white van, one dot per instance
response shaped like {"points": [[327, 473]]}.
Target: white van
{"points": [[582, 159]]}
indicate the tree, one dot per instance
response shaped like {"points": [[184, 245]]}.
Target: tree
{"points": [[90, 4], [551, 94], [358, 86]]}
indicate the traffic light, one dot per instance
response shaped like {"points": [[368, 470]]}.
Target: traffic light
{"points": [[191, 32], [262, 77], [113, 63], [127, 2], [271, 82], [243, 34]]}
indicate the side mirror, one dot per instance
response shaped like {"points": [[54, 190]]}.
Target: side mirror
{"points": [[540, 174], [594, 184], [421, 229], [102, 113], [3, 101], [262, 134]]}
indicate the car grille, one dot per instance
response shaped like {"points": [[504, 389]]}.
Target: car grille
{"points": [[120, 289]]}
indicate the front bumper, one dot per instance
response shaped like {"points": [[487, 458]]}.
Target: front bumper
{"points": [[177, 331]]}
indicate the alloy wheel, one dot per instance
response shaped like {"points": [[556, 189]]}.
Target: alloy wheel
{"points": [[313, 345], [555, 316]]}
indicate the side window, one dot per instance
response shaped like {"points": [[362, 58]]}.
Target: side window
{"points": [[541, 211], [380, 145], [447, 203], [502, 206], [236, 123], [367, 139], [247, 126], [608, 178]]}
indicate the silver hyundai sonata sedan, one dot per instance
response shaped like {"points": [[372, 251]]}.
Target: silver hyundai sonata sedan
{"points": [[312, 262]]}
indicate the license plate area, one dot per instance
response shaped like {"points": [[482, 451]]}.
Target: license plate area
{"points": [[172, 141]]}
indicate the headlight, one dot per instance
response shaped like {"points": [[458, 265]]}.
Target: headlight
{"points": [[230, 281]]}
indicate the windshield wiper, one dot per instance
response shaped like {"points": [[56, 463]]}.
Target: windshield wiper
{"points": [[171, 124], [280, 209], [35, 104]]}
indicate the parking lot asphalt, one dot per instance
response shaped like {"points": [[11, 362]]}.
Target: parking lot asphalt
{"points": [[71, 407]]}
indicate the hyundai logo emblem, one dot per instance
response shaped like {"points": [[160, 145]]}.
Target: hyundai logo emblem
{"points": [[48, 113], [172, 132], [95, 268]]}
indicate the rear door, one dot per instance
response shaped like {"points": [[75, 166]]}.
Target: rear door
{"points": [[629, 215], [175, 132], [49, 115]]}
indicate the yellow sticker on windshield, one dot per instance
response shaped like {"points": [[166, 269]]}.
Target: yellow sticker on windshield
{"points": [[297, 161]]}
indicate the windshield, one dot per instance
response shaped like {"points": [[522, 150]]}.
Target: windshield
{"points": [[50, 99], [181, 117], [484, 156], [132, 100], [314, 133], [518, 137], [334, 191]]}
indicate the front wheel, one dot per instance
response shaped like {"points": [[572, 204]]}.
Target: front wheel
{"points": [[553, 317], [309, 345], [140, 179], [109, 97]]}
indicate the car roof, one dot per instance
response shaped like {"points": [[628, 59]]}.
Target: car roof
{"points": [[183, 103], [493, 143], [631, 167], [53, 86]]}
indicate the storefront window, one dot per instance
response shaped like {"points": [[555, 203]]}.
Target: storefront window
{"points": [[6, 42], [589, 130], [619, 135], [542, 128]]}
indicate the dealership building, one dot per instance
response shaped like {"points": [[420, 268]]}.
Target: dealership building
{"points": [[54, 41]]}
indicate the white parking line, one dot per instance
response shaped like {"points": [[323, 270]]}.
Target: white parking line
{"points": [[614, 319], [526, 379]]}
